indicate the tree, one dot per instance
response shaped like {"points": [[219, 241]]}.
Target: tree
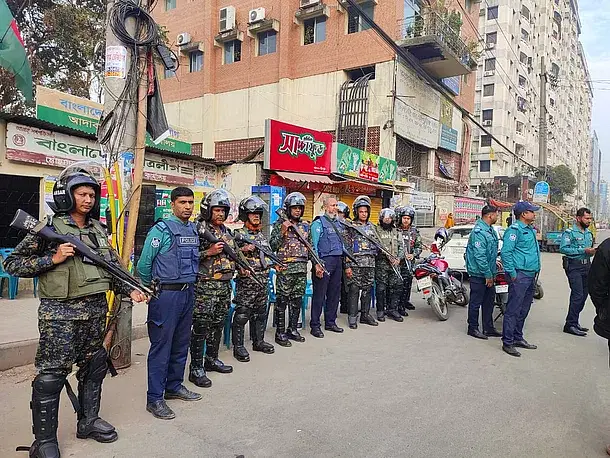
{"points": [[562, 182]]}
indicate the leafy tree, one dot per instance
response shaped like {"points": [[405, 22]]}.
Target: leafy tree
{"points": [[562, 182]]}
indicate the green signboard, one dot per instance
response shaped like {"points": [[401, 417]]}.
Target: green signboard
{"points": [[367, 166]]}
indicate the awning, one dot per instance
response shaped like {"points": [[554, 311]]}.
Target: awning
{"points": [[306, 178], [360, 181]]}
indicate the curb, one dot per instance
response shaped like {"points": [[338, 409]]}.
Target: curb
{"points": [[22, 352]]}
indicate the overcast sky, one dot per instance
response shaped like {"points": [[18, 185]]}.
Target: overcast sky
{"points": [[595, 37]]}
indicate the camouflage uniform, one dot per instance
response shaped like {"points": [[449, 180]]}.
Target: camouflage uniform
{"points": [[346, 283], [413, 245], [363, 274], [388, 285]]}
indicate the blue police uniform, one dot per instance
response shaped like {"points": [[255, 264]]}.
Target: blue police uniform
{"points": [[521, 259], [326, 290], [171, 257], [574, 240], [481, 256]]}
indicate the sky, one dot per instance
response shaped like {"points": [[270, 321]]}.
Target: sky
{"points": [[595, 38]]}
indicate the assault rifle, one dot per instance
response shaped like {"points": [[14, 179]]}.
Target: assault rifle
{"points": [[26, 222], [239, 237]]}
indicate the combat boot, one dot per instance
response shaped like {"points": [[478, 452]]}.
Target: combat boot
{"points": [[197, 374], [212, 363], [402, 310], [352, 321], [293, 320], [393, 312], [280, 327], [239, 351], [257, 325], [381, 298]]}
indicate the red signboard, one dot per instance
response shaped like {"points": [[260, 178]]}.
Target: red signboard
{"points": [[292, 148]]}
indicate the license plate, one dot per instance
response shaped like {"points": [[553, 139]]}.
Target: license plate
{"points": [[501, 288], [424, 283]]}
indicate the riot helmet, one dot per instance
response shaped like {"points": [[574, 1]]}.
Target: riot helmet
{"points": [[384, 213], [442, 236], [252, 204], [217, 198], [405, 211], [294, 199], [362, 201], [69, 179], [343, 208]]}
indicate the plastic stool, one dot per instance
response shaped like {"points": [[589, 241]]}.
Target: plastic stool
{"points": [[229, 318], [305, 302]]}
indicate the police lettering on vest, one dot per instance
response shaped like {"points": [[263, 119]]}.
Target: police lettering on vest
{"points": [[330, 243], [179, 263]]}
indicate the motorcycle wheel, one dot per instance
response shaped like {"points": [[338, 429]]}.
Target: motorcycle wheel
{"points": [[438, 303], [462, 297], [538, 291]]}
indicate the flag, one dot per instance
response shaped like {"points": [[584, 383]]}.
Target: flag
{"points": [[12, 52]]}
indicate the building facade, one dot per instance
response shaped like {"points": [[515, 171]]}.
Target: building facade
{"points": [[595, 165]]}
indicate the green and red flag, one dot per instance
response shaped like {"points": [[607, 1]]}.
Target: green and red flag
{"points": [[12, 51]]}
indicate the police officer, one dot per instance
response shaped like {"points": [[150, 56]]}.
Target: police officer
{"points": [[213, 288], [388, 283], [343, 211], [577, 248], [72, 312], [292, 280], [250, 297], [521, 259], [328, 245], [481, 264], [413, 248], [171, 258], [363, 274]]}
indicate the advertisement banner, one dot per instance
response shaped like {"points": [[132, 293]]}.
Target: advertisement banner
{"points": [[293, 148], [168, 170], [354, 162], [422, 201], [205, 175]]}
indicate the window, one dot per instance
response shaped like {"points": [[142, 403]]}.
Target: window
{"points": [[355, 23], [490, 64], [492, 12], [232, 51], [314, 30], [195, 61], [468, 5], [523, 58], [168, 73], [554, 51], [525, 36], [522, 81], [552, 101], [519, 128], [521, 104], [485, 140], [488, 115], [488, 90], [267, 42], [485, 166], [170, 5], [525, 12], [491, 38]]}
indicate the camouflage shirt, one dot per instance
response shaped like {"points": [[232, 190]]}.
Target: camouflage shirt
{"points": [[277, 241]]}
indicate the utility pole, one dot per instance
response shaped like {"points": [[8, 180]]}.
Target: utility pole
{"points": [[542, 137]]}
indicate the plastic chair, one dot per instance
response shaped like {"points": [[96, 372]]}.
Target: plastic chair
{"points": [[373, 295], [13, 282], [229, 318], [305, 302]]}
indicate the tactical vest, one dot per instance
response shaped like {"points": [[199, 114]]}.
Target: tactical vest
{"points": [[256, 258], [329, 244], [75, 277], [408, 237], [219, 267], [180, 263], [292, 250], [362, 246], [389, 239]]}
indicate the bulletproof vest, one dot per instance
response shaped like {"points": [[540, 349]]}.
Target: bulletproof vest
{"points": [[292, 250], [180, 263], [77, 277], [329, 244], [219, 267], [408, 237], [362, 246], [256, 258], [389, 239]]}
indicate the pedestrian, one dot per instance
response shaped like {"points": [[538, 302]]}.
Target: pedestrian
{"points": [[291, 281], [481, 264], [388, 284], [509, 220], [250, 297], [213, 288], [170, 260], [72, 312], [413, 248], [449, 223], [343, 212], [577, 249], [521, 260], [363, 274], [328, 245]]}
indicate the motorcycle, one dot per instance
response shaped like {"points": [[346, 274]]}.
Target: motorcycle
{"points": [[501, 283], [439, 285]]}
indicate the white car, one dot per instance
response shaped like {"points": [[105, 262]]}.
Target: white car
{"points": [[455, 249]]}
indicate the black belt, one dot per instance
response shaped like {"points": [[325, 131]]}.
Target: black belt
{"points": [[174, 286], [578, 261]]}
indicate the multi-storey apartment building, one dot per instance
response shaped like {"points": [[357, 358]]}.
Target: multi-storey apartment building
{"points": [[528, 44], [595, 165]]}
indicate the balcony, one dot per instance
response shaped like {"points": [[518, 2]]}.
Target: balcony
{"points": [[438, 47]]}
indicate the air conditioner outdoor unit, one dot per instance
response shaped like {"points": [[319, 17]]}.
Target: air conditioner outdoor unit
{"points": [[256, 15], [183, 38], [487, 122], [491, 45], [489, 73], [227, 19], [306, 3]]}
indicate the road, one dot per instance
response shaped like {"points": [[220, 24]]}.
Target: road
{"points": [[421, 388]]}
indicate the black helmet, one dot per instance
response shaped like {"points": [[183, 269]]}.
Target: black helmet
{"points": [[217, 198], [252, 204], [343, 208], [294, 199], [385, 212], [405, 211], [361, 201], [63, 190]]}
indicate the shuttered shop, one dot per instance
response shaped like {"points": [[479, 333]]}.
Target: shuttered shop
{"points": [[376, 205]]}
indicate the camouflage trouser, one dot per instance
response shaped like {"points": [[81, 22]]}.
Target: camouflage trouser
{"points": [[65, 342], [251, 295], [388, 287], [407, 275], [290, 288], [212, 301], [346, 284], [361, 287]]}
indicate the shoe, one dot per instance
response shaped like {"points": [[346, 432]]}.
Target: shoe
{"points": [[241, 354], [403, 312], [477, 334], [216, 365], [183, 393], [368, 319], [295, 335], [38, 449], [381, 318], [293, 322], [198, 377], [395, 316], [333, 328], [161, 410], [409, 306], [525, 344], [583, 329], [264, 347], [511, 350], [282, 340], [574, 331], [493, 333], [280, 328], [317, 332]]}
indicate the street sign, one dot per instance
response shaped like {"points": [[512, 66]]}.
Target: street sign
{"points": [[542, 191]]}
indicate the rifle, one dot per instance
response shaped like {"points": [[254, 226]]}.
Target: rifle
{"points": [[346, 253], [239, 237], [282, 214], [26, 222], [230, 252]]}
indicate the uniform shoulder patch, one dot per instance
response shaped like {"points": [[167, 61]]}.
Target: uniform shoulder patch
{"points": [[477, 244], [155, 242], [477, 229]]}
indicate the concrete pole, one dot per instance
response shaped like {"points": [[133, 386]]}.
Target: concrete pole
{"points": [[542, 137]]}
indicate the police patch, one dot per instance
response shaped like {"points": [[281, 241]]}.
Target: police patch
{"points": [[513, 237], [477, 244], [155, 242]]}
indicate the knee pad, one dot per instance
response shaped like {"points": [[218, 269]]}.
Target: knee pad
{"points": [[96, 368], [48, 383], [240, 318], [199, 329]]}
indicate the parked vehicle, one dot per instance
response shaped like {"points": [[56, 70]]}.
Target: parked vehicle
{"points": [[454, 250]]}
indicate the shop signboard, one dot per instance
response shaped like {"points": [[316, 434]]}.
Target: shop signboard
{"points": [[354, 162], [422, 201], [169, 170], [291, 148], [163, 210]]}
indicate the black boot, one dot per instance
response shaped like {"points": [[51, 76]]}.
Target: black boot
{"points": [[365, 308], [197, 373], [258, 325], [393, 312], [240, 318], [46, 389], [90, 377], [381, 298], [280, 326], [212, 363], [402, 310], [293, 320]]}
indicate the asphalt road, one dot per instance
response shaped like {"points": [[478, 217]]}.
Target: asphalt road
{"points": [[421, 388]]}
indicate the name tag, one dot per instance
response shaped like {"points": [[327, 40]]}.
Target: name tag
{"points": [[189, 240]]}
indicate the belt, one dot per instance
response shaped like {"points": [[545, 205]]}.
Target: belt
{"points": [[174, 286], [579, 261]]}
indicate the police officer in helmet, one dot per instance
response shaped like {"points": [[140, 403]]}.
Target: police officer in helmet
{"points": [[343, 211], [72, 312], [413, 248]]}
